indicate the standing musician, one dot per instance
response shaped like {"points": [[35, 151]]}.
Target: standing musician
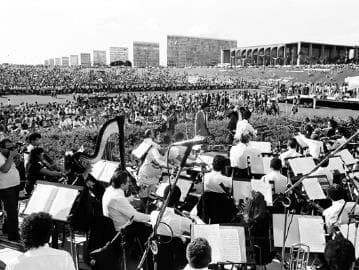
{"points": [[244, 127]]}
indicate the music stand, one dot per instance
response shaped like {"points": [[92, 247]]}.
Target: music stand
{"points": [[228, 243], [301, 165], [57, 200]]}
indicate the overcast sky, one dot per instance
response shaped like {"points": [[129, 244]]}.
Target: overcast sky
{"points": [[33, 30]]}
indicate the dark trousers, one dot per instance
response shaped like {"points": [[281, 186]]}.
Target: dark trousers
{"points": [[9, 197], [171, 254]]}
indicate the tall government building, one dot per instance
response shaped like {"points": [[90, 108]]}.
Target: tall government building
{"points": [[85, 59], [146, 54], [99, 58], [183, 51], [118, 54]]}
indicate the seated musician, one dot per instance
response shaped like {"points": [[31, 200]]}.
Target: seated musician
{"points": [[117, 207], [150, 171], [291, 152], [332, 125], [214, 179], [177, 152], [343, 132], [334, 214], [35, 233], [37, 170], [199, 254], [275, 178], [171, 232], [241, 152], [257, 217], [339, 254], [323, 170]]}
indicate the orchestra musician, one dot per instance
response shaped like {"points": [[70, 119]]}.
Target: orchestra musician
{"points": [[171, 231], [339, 254], [244, 127], [291, 152], [275, 178], [337, 212], [214, 181], [198, 254], [323, 170], [343, 132], [177, 151], [241, 151], [118, 207]]}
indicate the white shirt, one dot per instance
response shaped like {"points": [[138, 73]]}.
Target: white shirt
{"points": [[288, 154], [279, 180], [331, 214], [213, 179], [27, 154], [43, 258], [243, 127], [179, 225], [240, 153], [10, 178], [117, 207], [188, 267]]}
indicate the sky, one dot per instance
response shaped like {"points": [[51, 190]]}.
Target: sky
{"points": [[34, 30]]}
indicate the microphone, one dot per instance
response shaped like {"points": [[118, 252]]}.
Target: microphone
{"points": [[194, 141]]}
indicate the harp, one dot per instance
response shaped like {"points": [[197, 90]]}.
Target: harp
{"points": [[109, 146]]}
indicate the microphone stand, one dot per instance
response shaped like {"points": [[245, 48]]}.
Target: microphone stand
{"points": [[152, 242]]}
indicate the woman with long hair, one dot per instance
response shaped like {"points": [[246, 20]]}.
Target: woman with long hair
{"points": [[257, 217]]}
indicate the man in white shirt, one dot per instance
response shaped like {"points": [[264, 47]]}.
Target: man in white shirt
{"points": [[291, 152], [275, 177], [9, 188], [214, 179], [199, 254], [34, 141], [337, 213], [244, 127], [35, 232], [241, 153]]}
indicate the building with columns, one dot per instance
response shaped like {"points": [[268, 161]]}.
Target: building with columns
{"points": [[296, 53]]}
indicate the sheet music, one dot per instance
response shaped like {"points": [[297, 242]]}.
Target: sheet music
{"points": [[41, 199], [265, 189], [230, 247], [97, 169], [8, 255], [109, 170], [241, 190], [347, 157], [293, 235], [336, 163], [301, 165], [141, 150], [311, 233], [161, 189], [62, 203], [212, 235], [313, 189], [264, 147]]}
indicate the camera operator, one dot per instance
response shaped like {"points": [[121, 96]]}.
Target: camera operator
{"points": [[9, 188]]}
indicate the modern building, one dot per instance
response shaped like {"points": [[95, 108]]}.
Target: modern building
{"points": [[99, 58], [183, 51], [46, 62], [85, 59], [295, 53], [65, 61], [58, 61], [146, 54], [118, 54], [74, 60], [51, 62]]}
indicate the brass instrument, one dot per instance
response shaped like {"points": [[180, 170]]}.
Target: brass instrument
{"points": [[299, 257]]}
